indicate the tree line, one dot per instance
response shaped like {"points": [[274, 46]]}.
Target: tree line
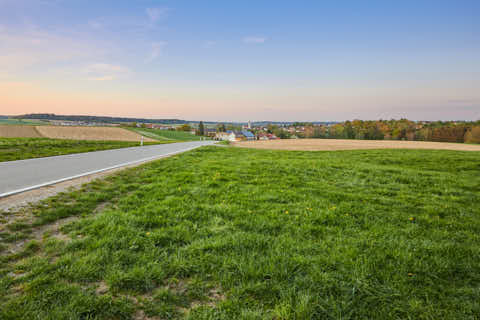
{"points": [[403, 129], [52, 116]]}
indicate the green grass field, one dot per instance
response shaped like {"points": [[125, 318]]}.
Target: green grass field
{"points": [[167, 135], [26, 148], [22, 122], [226, 233]]}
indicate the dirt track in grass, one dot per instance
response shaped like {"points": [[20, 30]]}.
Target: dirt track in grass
{"points": [[339, 144]]}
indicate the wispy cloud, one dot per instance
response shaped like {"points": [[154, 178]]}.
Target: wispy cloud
{"points": [[254, 39], [33, 46], [95, 24], [156, 14], [156, 50], [104, 71], [209, 44]]}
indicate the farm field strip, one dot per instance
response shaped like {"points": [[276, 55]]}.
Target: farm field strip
{"points": [[16, 131], [352, 144], [230, 233], [70, 133], [89, 133], [150, 134], [22, 122], [167, 134]]}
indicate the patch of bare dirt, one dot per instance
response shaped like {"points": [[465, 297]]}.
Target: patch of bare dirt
{"points": [[101, 207], [102, 288], [339, 144], [179, 287], [140, 315], [52, 230], [38, 233], [214, 297]]}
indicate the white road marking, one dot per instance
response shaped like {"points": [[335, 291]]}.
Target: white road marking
{"points": [[6, 194]]}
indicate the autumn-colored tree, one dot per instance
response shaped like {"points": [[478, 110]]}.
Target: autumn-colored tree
{"points": [[384, 129], [337, 131], [319, 132], [403, 129], [184, 127], [309, 132], [348, 131], [473, 135], [449, 134]]}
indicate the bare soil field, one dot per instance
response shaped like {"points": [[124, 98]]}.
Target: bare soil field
{"points": [[73, 133], [338, 144], [12, 131]]}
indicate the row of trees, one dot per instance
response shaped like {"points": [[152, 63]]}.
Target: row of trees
{"points": [[403, 129], [52, 116], [398, 130]]}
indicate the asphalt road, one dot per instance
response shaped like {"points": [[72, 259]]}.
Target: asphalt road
{"points": [[23, 175]]}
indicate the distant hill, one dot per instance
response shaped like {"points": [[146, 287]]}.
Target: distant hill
{"points": [[289, 123], [51, 116], [102, 119]]}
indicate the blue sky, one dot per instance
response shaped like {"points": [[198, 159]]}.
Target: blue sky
{"points": [[242, 60]]}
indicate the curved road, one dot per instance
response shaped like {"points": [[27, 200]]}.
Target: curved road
{"points": [[23, 175]]}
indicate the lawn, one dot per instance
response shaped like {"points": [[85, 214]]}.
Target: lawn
{"points": [[162, 135], [227, 233], [26, 148]]}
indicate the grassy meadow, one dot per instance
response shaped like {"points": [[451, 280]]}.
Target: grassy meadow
{"points": [[27, 148], [22, 122], [227, 233], [166, 135]]}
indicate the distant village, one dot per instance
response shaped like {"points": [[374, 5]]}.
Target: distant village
{"points": [[221, 132], [403, 129]]}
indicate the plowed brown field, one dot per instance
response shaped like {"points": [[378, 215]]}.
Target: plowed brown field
{"points": [[73, 133], [338, 144], [11, 131]]}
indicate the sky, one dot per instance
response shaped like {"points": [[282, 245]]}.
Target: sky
{"points": [[242, 60]]}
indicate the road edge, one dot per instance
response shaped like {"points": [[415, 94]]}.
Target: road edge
{"points": [[126, 164]]}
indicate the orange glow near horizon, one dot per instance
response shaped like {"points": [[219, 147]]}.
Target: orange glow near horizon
{"points": [[29, 97]]}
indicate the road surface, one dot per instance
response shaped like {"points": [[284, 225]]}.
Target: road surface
{"points": [[23, 175]]}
